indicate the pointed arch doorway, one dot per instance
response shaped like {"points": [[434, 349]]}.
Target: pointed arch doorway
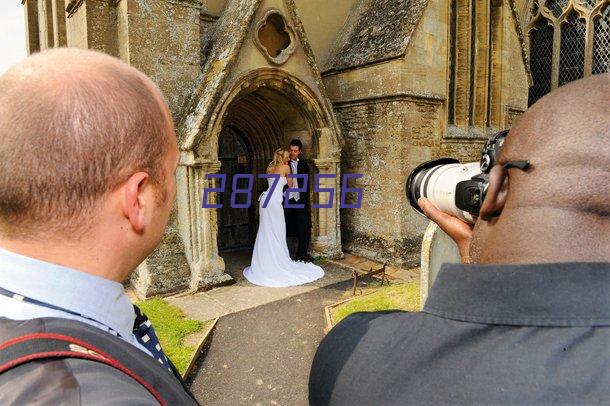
{"points": [[264, 109], [255, 125]]}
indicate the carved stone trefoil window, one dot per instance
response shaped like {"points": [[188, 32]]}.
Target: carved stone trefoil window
{"points": [[274, 37], [568, 40]]}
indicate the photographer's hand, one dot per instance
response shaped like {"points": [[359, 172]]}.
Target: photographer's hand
{"points": [[458, 230]]}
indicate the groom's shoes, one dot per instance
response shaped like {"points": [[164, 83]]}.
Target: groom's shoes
{"points": [[305, 257]]}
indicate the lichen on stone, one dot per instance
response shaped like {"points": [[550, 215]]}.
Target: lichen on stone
{"points": [[376, 30]]}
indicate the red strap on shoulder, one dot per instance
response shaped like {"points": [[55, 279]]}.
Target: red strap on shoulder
{"points": [[90, 352]]}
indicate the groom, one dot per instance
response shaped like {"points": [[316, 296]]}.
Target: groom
{"points": [[298, 221]]}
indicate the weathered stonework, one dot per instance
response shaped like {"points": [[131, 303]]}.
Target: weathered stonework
{"points": [[394, 114], [165, 270], [386, 227], [162, 39], [92, 24], [223, 91], [377, 30], [30, 8]]}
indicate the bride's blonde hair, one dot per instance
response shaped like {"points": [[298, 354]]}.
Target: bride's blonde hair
{"points": [[278, 157]]}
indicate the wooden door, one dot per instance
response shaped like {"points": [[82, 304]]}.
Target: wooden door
{"points": [[235, 226]]}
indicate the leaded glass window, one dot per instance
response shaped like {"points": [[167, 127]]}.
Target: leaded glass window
{"points": [[556, 6], [572, 53], [601, 42], [568, 40], [541, 60], [589, 3]]}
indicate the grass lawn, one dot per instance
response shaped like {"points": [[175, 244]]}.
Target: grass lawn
{"points": [[172, 327], [399, 296]]}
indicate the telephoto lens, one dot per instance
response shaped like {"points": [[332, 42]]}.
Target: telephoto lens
{"points": [[455, 188], [438, 181]]}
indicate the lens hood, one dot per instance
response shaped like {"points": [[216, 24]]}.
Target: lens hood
{"points": [[413, 190]]}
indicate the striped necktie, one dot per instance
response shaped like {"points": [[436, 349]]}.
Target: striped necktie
{"points": [[145, 334]]}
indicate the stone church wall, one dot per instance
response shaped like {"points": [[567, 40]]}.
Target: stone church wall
{"points": [[162, 39], [394, 116], [383, 138], [159, 37]]}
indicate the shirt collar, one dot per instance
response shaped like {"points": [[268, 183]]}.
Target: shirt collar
{"points": [[100, 299], [559, 294]]}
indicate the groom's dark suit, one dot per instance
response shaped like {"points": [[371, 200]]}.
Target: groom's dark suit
{"points": [[298, 221]]}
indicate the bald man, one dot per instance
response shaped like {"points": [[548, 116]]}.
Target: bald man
{"points": [[87, 181], [529, 321]]}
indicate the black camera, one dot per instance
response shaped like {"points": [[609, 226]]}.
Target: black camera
{"points": [[457, 189]]}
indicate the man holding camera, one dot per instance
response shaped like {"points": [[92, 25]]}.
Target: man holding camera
{"points": [[528, 322]]}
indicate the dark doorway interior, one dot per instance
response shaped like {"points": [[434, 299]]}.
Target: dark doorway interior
{"points": [[236, 231], [254, 126]]}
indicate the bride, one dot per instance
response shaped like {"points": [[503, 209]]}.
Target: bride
{"points": [[271, 264]]}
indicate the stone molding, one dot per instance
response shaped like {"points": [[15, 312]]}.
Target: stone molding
{"points": [[470, 134], [208, 17], [522, 39], [511, 115], [430, 98], [73, 6], [186, 3]]}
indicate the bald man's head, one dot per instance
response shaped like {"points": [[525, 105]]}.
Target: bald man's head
{"points": [[559, 208], [74, 124], [566, 138]]}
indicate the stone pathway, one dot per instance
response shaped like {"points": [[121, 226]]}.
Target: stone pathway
{"points": [[262, 356], [243, 295]]}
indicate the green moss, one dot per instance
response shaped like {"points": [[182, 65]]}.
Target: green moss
{"points": [[403, 296], [320, 260], [171, 327]]}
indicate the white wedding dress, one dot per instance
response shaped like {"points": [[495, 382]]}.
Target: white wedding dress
{"points": [[271, 264]]}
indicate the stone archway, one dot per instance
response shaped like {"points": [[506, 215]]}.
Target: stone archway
{"points": [[264, 120], [270, 106]]}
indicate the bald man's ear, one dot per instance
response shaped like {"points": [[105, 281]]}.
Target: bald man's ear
{"points": [[496, 193], [133, 202]]}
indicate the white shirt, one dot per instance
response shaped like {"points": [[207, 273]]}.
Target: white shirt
{"points": [[294, 165], [98, 298]]}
